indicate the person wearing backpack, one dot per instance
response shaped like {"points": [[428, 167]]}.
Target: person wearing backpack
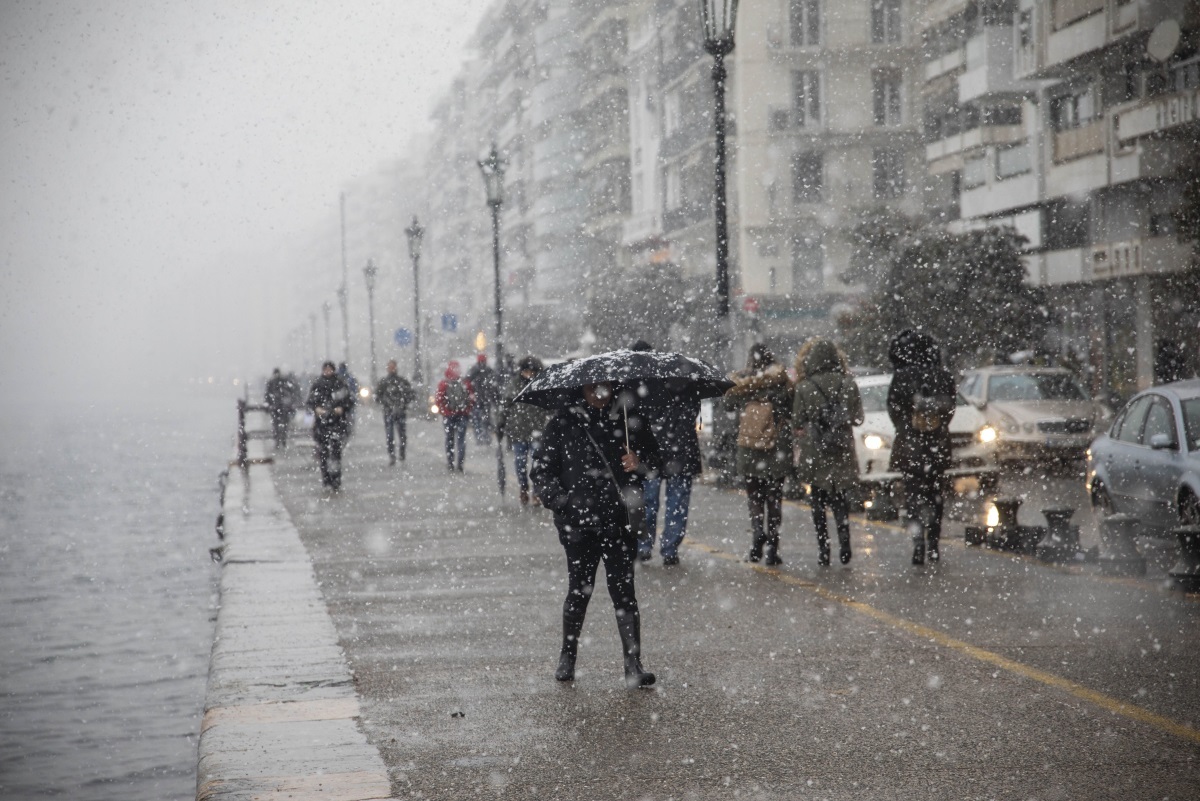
{"points": [[455, 398], [920, 404], [762, 394], [394, 393], [826, 407]]}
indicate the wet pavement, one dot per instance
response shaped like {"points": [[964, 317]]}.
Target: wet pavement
{"points": [[987, 676]]}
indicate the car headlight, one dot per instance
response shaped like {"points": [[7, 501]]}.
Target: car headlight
{"points": [[433, 409], [988, 434], [874, 442], [364, 393]]}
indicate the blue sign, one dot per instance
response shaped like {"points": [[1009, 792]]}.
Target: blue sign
{"points": [[403, 337], [449, 322]]}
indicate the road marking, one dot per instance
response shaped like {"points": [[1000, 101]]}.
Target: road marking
{"points": [[1101, 700]]}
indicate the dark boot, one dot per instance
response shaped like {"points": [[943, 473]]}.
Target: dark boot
{"points": [[572, 628], [773, 557], [774, 515], [822, 550], [760, 539], [933, 552], [918, 549], [630, 627], [524, 497], [844, 545]]}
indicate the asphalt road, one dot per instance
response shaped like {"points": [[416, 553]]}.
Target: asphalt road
{"points": [[989, 676]]}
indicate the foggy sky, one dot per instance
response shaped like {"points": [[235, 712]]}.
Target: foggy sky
{"points": [[165, 162]]}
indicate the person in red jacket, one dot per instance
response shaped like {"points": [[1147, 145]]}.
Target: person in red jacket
{"points": [[455, 399]]}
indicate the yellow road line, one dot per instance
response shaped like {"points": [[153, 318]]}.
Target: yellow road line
{"points": [[1101, 700]]}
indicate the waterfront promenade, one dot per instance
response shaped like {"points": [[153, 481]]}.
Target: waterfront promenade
{"points": [[399, 639]]}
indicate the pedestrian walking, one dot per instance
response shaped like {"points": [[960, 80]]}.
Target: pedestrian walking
{"points": [[826, 407], [762, 394], [920, 404], [280, 400], [455, 398], [586, 469], [487, 396], [671, 406], [522, 423], [331, 403], [394, 393]]}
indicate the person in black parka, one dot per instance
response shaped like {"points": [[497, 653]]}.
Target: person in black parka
{"points": [[589, 475], [332, 403], [920, 404]]}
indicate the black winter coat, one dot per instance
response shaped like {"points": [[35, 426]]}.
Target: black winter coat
{"points": [[573, 481], [328, 393], [673, 423], [918, 371]]}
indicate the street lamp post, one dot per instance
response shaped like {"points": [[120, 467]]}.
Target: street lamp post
{"points": [[342, 292], [325, 307], [369, 273], [415, 233], [492, 168], [719, 18]]}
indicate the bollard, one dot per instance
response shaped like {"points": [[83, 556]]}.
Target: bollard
{"points": [[1006, 534], [1118, 546], [1186, 571], [1061, 542]]}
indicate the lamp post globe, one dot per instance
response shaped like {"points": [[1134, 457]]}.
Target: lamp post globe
{"points": [[415, 234]]}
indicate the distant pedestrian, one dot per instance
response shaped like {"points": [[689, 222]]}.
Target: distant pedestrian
{"points": [[331, 403], [826, 407], [522, 423], [352, 384], [920, 404], [394, 393], [455, 398], [280, 400], [762, 393], [672, 407], [486, 384], [585, 472]]}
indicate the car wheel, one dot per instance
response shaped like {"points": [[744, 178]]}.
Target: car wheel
{"points": [[1189, 510], [1101, 501]]}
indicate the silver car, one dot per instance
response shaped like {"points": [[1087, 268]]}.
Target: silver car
{"points": [[1148, 464]]}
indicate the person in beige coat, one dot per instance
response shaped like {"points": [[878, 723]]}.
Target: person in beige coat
{"points": [[825, 407]]}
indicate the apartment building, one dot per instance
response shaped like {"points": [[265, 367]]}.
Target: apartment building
{"points": [[1070, 119]]}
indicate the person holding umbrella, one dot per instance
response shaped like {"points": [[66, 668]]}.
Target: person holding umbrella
{"points": [[585, 469]]}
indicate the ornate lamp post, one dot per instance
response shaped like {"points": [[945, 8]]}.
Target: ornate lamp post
{"points": [[492, 168], [415, 233], [342, 293], [719, 18], [369, 273]]}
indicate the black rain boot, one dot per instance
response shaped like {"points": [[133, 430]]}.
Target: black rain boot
{"points": [[822, 550], [844, 552], [572, 628], [934, 554], [760, 539], [773, 557], [630, 627], [774, 514], [918, 549]]}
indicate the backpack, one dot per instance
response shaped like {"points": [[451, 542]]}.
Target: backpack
{"points": [[458, 400], [831, 422], [758, 429], [928, 411]]}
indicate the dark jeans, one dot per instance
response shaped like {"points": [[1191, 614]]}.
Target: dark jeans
{"points": [[280, 420], [765, 499], [456, 439], [481, 422], [679, 496], [329, 455], [521, 451], [924, 497], [395, 427], [835, 500], [585, 550]]}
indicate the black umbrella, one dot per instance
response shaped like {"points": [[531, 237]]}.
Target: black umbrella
{"points": [[561, 384]]}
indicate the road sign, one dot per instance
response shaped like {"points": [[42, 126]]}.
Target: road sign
{"points": [[750, 305], [403, 337], [449, 322]]}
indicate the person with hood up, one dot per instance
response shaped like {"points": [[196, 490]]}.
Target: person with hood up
{"points": [[331, 403], [588, 471], [826, 407], [523, 423], [762, 392], [486, 384], [455, 398], [920, 404]]}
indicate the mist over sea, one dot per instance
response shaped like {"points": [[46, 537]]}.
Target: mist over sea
{"points": [[107, 591]]}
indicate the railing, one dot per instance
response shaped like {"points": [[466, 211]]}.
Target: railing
{"points": [[1075, 143], [244, 436]]}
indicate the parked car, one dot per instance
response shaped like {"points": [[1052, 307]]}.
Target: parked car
{"points": [[1032, 413], [1148, 463]]}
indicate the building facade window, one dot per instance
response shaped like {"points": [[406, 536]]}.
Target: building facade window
{"points": [[885, 21], [808, 177], [806, 91], [1012, 161], [975, 172], [888, 168], [885, 93], [1000, 115], [804, 17], [672, 191], [808, 261], [1073, 110]]}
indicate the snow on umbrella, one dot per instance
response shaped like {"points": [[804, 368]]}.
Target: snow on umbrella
{"points": [[561, 384]]}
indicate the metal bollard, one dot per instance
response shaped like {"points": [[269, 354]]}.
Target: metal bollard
{"points": [[1006, 534], [1186, 571], [1061, 542], [1119, 551]]}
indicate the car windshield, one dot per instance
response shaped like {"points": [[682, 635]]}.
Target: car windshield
{"points": [[1191, 422], [874, 399], [1034, 387]]}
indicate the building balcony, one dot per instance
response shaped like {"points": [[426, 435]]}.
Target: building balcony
{"points": [[685, 216], [643, 227], [989, 66], [945, 63], [973, 139], [1075, 143], [1159, 114], [1079, 27], [1160, 254], [938, 11]]}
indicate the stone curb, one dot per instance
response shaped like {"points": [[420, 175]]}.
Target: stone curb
{"points": [[281, 713]]}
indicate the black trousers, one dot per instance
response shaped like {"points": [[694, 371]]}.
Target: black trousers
{"points": [[329, 454], [395, 429], [835, 500], [924, 495], [617, 548], [764, 496]]}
